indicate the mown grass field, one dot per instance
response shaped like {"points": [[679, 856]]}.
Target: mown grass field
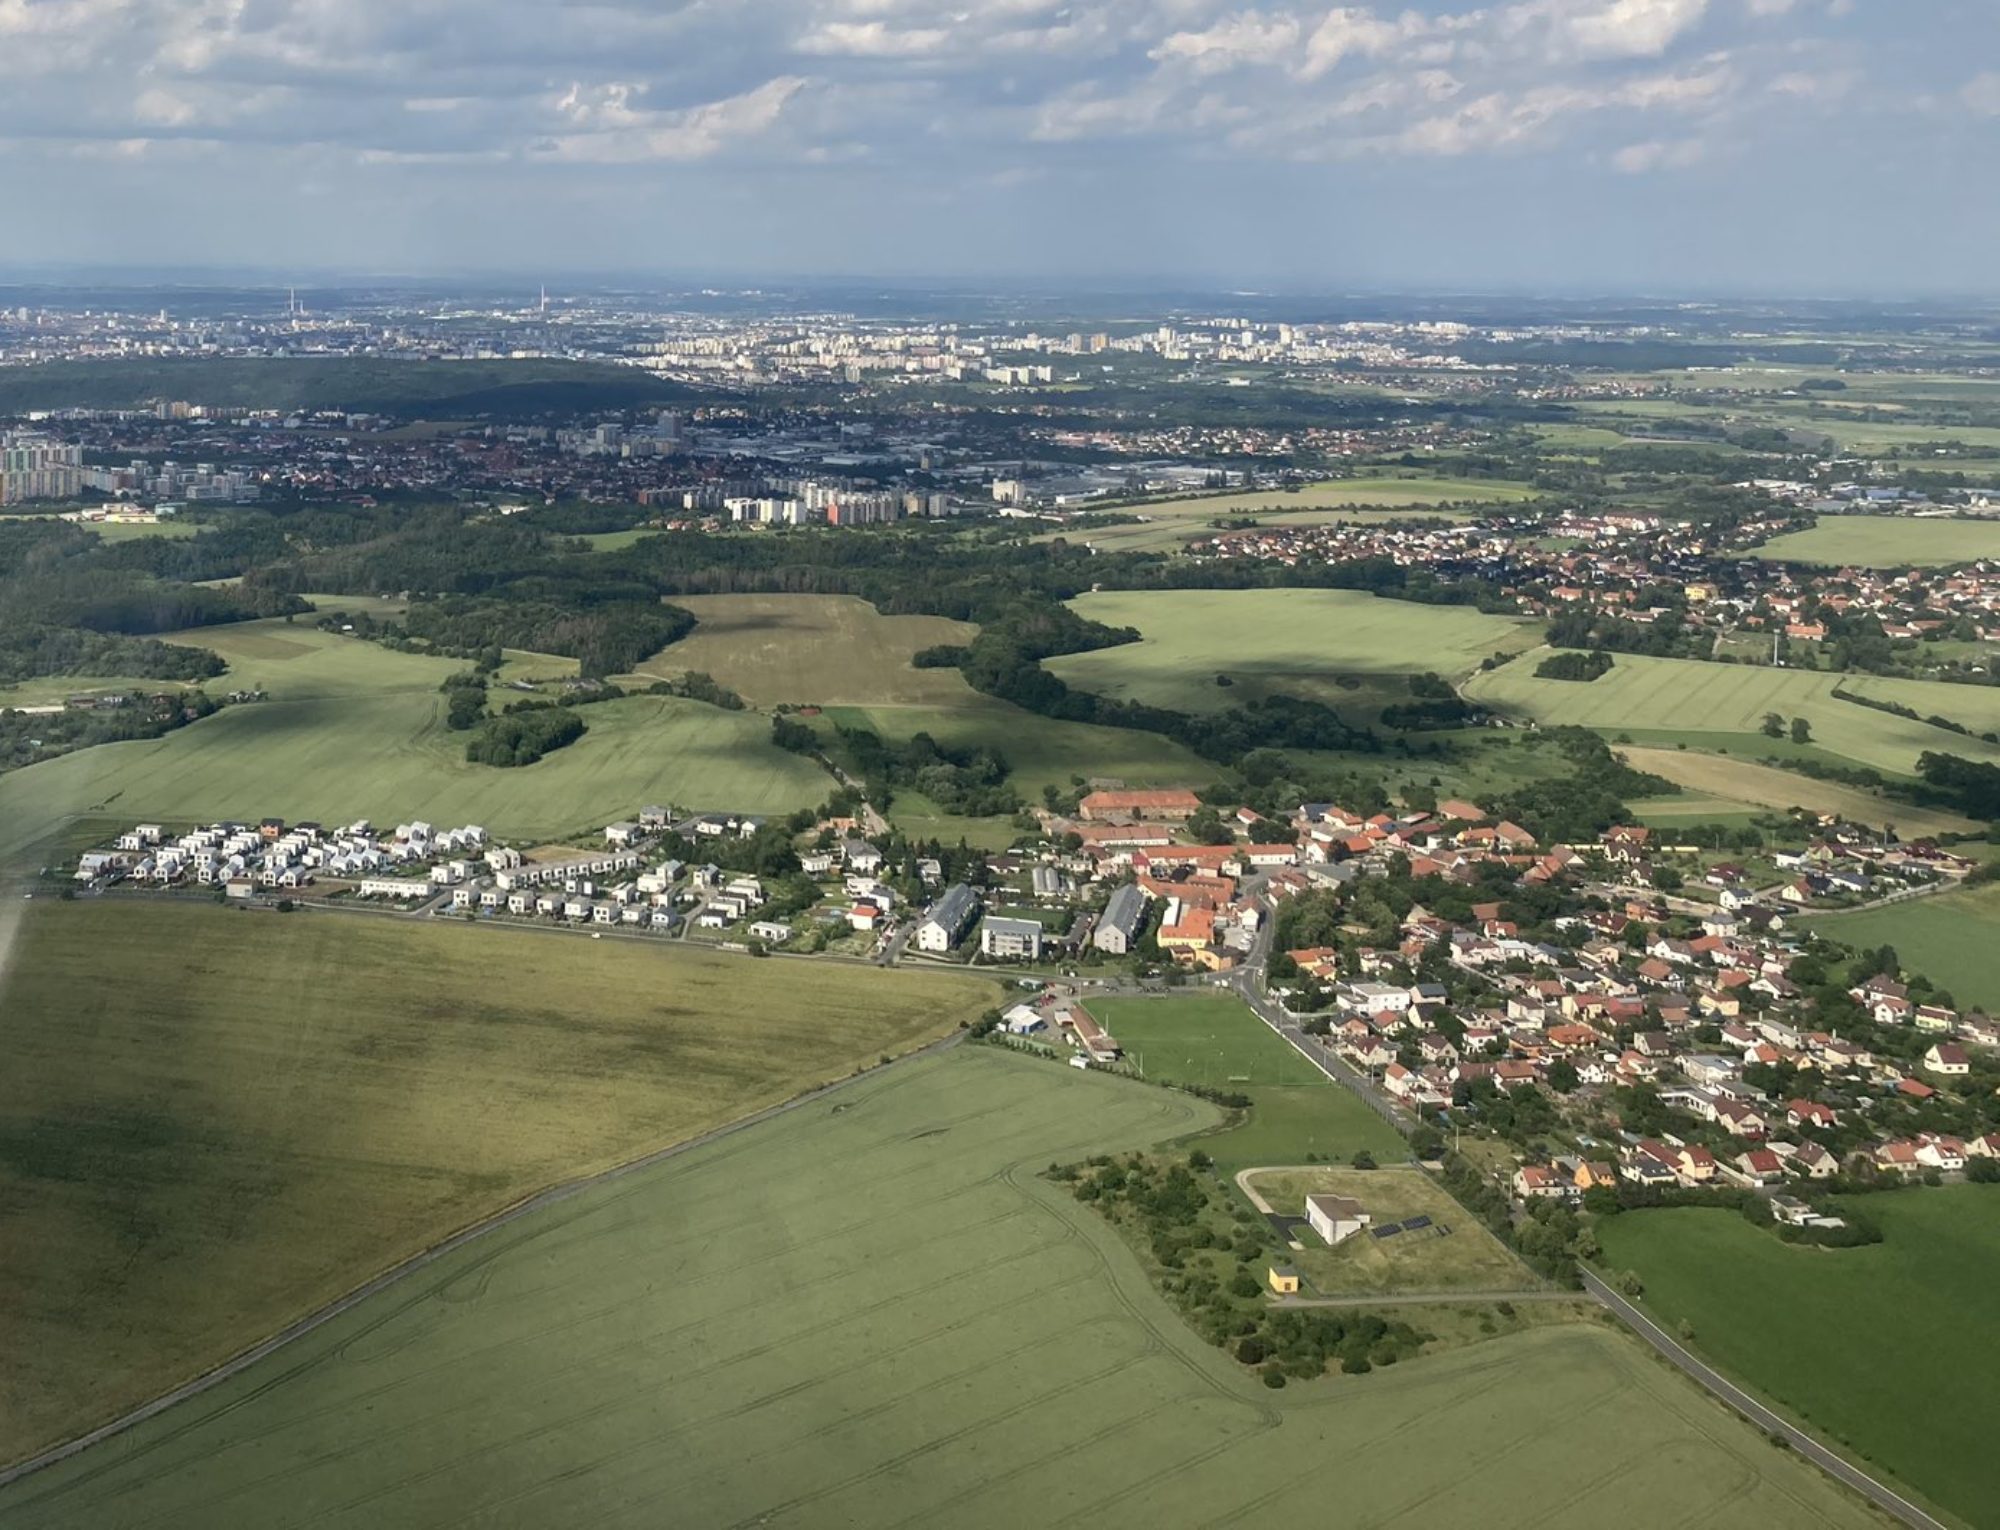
{"points": [[1665, 697], [1214, 1040], [1886, 541], [1876, 1348], [1168, 524], [872, 1311], [1463, 1257], [213, 1120], [1748, 784], [354, 730], [1343, 647], [1952, 938], [819, 649]]}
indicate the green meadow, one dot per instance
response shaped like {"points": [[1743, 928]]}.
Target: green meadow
{"points": [[1339, 646], [1886, 541], [873, 1310], [1953, 939], [1881, 1349]]}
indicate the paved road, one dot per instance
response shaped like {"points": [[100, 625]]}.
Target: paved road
{"points": [[1838, 1466], [418, 1261], [1428, 1299]]}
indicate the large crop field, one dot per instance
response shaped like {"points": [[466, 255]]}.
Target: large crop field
{"points": [[814, 648], [1667, 696], [872, 1311], [1171, 523], [1886, 541], [1879, 1348], [355, 730], [1339, 646], [1953, 939], [1214, 1040], [213, 1120], [1742, 783]]}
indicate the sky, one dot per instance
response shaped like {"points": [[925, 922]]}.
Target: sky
{"points": [[1706, 147]]}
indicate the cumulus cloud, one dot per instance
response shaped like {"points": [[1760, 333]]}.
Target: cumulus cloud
{"points": [[1659, 154], [1633, 28], [1982, 93], [985, 88]]}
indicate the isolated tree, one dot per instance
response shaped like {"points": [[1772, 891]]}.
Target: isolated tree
{"points": [[1774, 725], [1801, 731]]}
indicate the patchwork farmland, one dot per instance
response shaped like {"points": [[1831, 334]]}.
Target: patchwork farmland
{"points": [[873, 1310], [211, 1120]]}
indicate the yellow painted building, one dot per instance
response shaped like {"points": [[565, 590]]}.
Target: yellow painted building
{"points": [[1284, 1280]]}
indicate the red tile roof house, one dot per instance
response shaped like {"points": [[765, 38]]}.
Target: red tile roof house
{"points": [[1534, 1182], [1760, 1166], [1948, 1059], [1168, 805], [1811, 1113]]}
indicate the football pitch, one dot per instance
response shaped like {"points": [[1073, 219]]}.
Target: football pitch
{"points": [[872, 1310]]}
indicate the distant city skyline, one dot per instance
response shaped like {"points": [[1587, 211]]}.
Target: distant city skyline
{"points": [[1755, 147]]}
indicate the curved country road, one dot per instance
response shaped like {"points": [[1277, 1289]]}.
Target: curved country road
{"points": [[410, 1266]]}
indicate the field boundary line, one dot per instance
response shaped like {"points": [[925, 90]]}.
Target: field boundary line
{"points": [[1834, 1464], [423, 1258]]}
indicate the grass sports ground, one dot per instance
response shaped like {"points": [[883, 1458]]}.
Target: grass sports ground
{"points": [[1453, 1253], [1215, 1040], [1849, 1340], [214, 1120], [819, 649], [1304, 642], [1953, 939], [1169, 524], [1886, 541], [1736, 784], [1663, 697], [353, 730], [873, 1311]]}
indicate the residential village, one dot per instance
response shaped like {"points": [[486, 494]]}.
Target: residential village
{"points": [[1553, 995]]}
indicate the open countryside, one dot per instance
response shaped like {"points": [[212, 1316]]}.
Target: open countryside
{"points": [[1848, 1339], [1654, 699], [1167, 524], [732, 1337], [1747, 784], [212, 1121], [1325, 644], [353, 730], [822, 649]]}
